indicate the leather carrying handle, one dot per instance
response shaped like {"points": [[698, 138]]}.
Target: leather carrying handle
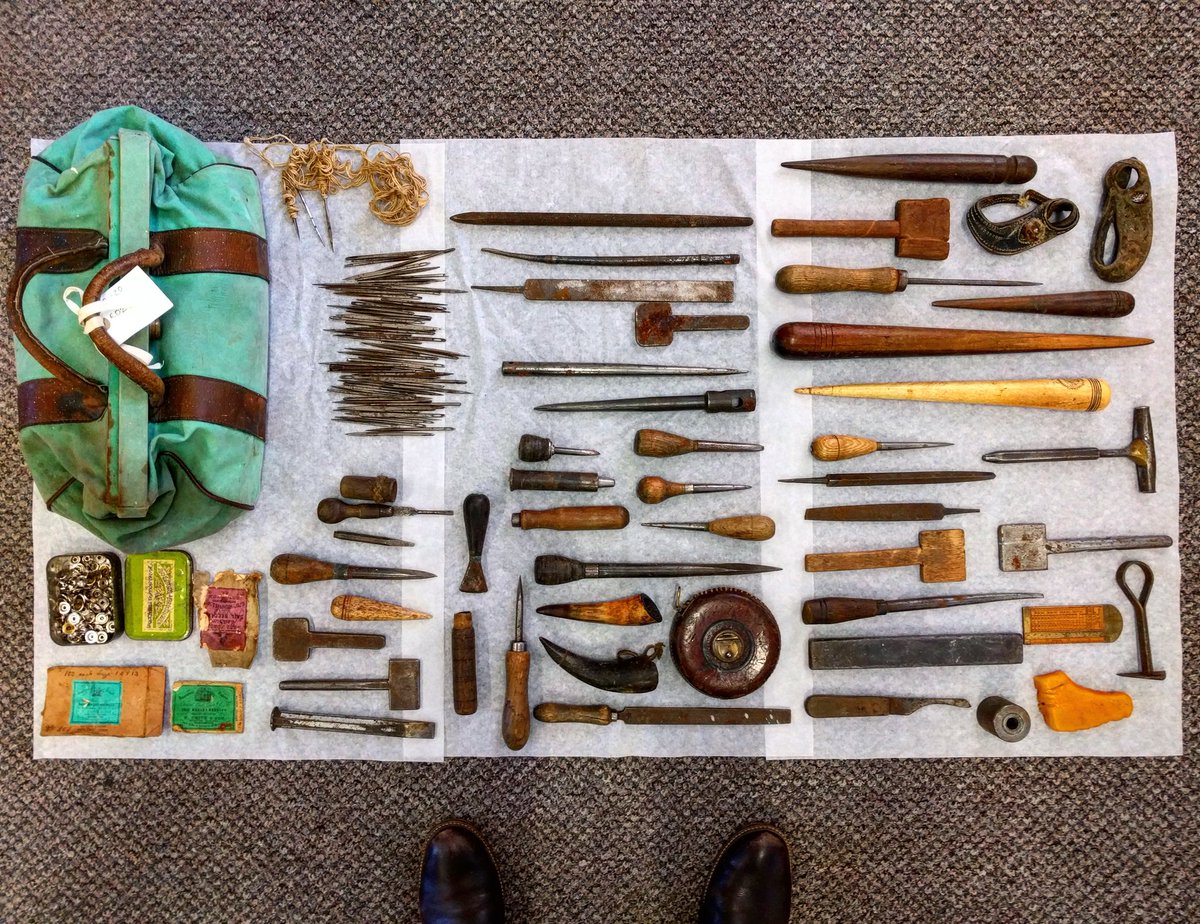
{"points": [[138, 373], [25, 336]]}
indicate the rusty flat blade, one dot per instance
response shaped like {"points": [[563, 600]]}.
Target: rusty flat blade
{"points": [[622, 290], [601, 220], [701, 715]]}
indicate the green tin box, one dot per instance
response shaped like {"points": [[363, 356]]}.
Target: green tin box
{"points": [[158, 596]]}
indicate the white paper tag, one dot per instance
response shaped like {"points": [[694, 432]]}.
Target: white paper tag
{"points": [[131, 303]]}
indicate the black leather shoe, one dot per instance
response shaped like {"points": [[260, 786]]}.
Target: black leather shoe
{"points": [[751, 882], [459, 881]]}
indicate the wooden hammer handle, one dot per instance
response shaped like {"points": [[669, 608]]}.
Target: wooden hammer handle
{"points": [[857, 561], [568, 712], [800, 227], [803, 279], [573, 518]]}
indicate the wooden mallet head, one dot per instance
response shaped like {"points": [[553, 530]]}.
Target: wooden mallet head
{"points": [[943, 555], [924, 229]]}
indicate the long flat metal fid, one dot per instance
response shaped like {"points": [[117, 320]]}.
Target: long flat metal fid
{"points": [[915, 651], [601, 220], [660, 715], [828, 706], [513, 368], [619, 290]]}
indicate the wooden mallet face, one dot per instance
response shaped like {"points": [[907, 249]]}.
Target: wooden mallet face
{"points": [[924, 229], [943, 555]]}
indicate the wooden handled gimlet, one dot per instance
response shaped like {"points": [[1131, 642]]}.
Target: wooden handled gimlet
{"points": [[661, 444], [654, 490], [805, 279], [573, 518], [837, 447], [755, 528]]}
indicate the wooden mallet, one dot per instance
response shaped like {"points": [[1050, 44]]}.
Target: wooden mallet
{"points": [[921, 228], [941, 553]]}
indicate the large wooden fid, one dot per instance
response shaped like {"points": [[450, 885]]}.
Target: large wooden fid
{"points": [[921, 228], [1049, 394], [941, 554]]}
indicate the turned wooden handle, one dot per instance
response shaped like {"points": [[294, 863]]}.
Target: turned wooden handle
{"points": [[462, 663], [836, 447], [566, 712], [655, 490], [802, 279], [661, 444], [333, 510], [353, 607], [800, 227], [570, 518], [858, 561], [300, 569], [756, 528], [527, 480], [515, 720]]}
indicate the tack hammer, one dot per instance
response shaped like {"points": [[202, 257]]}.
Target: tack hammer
{"points": [[1140, 450]]}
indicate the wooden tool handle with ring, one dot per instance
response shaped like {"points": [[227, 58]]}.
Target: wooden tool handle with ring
{"points": [[803, 279], [566, 712], [573, 518]]}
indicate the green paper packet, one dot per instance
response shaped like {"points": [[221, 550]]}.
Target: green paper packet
{"points": [[206, 706]]}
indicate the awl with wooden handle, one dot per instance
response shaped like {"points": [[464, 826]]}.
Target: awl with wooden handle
{"points": [[302, 569], [837, 447], [654, 490], [825, 611], [559, 569], [811, 340], [514, 721], [805, 279], [335, 510], [884, 479], [573, 518], [755, 528], [661, 444]]}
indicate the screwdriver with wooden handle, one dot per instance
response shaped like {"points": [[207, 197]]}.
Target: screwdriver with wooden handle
{"points": [[514, 722], [755, 528], [573, 518], [661, 444], [804, 279], [654, 490], [837, 447]]}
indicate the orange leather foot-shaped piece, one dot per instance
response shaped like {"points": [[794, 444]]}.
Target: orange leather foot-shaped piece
{"points": [[1068, 707]]}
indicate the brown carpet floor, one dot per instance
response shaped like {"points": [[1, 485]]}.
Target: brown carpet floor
{"points": [[588, 841]]}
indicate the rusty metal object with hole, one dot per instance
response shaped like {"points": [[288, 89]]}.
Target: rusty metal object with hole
{"points": [[1045, 221], [1127, 217], [725, 642]]}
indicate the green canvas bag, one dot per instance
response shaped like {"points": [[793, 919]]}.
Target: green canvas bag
{"points": [[144, 458]]}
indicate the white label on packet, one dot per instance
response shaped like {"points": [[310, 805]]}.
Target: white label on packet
{"points": [[131, 303]]}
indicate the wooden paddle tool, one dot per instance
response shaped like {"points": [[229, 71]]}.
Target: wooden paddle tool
{"points": [[921, 228], [941, 553]]}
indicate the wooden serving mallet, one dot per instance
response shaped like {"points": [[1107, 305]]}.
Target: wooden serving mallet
{"points": [[921, 228], [941, 554]]}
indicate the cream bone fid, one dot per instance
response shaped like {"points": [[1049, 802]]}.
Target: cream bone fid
{"points": [[1049, 394]]}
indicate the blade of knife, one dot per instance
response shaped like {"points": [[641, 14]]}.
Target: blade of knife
{"points": [[701, 715]]}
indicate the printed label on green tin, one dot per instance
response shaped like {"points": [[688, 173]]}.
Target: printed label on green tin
{"points": [[95, 702], [158, 600], [204, 707]]}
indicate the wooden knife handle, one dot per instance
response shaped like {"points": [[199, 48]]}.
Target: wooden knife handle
{"points": [[800, 227], [462, 652], [573, 518], [756, 528], [858, 561], [515, 720], [565, 712], [803, 279], [828, 611], [300, 569]]}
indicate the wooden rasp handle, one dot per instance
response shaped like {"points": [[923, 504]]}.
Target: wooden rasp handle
{"points": [[801, 227], [803, 279], [515, 720], [572, 518], [827, 611], [566, 712], [462, 663]]}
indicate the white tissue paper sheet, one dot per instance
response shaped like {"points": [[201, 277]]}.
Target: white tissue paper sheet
{"points": [[307, 454]]}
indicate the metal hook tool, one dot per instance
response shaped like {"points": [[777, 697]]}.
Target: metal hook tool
{"points": [[1145, 669]]}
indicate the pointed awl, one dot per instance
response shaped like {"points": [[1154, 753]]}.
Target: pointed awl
{"points": [[713, 402]]}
